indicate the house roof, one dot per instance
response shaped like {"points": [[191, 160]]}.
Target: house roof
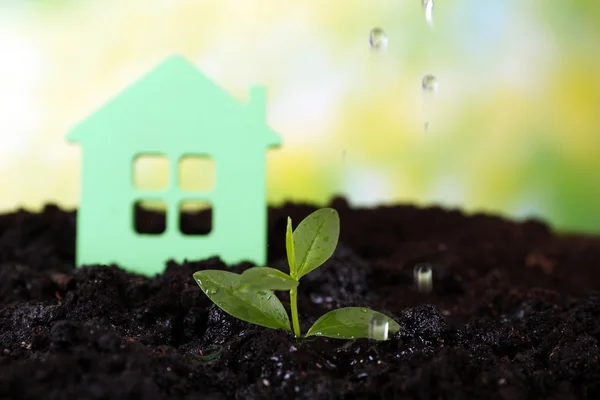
{"points": [[177, 99]]}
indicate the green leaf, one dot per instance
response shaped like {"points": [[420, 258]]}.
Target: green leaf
{"points": [[266, 278], [315, 240], [260, 307], [354, 323], [289, 247]]}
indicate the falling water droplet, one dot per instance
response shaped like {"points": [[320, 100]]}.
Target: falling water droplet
{"points": [[429, 83], [428, 7], [423, 275], [378, 39], [379, 327]]}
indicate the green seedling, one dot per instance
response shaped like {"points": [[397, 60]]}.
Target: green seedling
{"points": [[249, 296]]}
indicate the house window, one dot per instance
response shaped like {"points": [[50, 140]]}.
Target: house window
{"points": [[196, 173], [150, 217], [151, 172], [195, 217], [185, 182]]}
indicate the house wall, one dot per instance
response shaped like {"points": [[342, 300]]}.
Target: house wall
{"points": [[241, 208], [104, 221]]}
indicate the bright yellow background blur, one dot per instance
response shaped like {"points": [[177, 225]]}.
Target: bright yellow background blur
{"points": [[514, 127]]}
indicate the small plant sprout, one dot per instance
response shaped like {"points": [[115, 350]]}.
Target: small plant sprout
{"points": [[249, 296], [423, 277]]}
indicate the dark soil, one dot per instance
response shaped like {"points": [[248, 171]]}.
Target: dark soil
{"points": [[514, 314]]}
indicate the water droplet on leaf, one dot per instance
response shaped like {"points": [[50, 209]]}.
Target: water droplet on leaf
{"points": [[363, 310], [429, 83], [211, 292], [244, 288], [379, 327], [378, 39]]}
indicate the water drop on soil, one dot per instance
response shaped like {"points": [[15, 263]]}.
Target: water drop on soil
{"points": [[316, 298], [378, 39]]}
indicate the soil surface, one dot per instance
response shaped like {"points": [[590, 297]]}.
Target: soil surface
{"points": [[514, 314]]}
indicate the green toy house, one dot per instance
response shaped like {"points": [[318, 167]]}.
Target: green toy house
{"points": [[174, 111]]}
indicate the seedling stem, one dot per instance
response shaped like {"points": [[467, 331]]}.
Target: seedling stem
{"points": [[294, 307]]}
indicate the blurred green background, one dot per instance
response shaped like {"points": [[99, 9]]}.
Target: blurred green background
{"points": [[513, 127]]}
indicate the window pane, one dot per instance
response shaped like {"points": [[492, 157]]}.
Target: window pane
{"points": [[151, 172], [150, 217], [195, 217], [196, 173]]}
